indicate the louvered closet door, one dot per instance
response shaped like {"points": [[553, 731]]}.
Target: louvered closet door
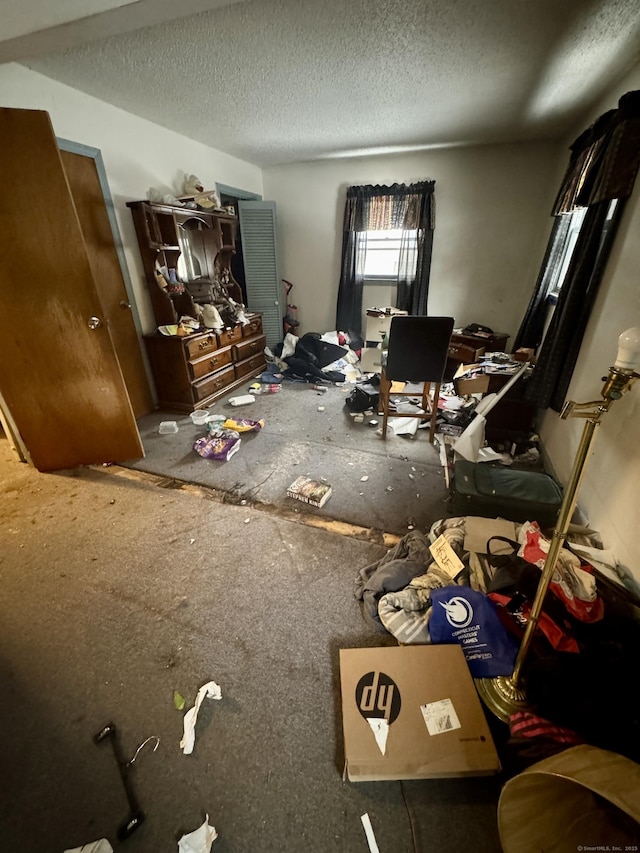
{"points": [[262, 279]]}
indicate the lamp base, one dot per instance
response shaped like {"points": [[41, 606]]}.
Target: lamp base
{"points": [[502, 696]]}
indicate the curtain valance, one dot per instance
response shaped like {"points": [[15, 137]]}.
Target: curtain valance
{"points": [[380, 208], [604, 159]]}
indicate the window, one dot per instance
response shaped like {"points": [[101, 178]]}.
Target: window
{"points": [[565, 243], [563, 251], [382, 256]]}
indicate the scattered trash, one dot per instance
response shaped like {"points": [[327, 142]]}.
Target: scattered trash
{"points": [[242, 400], [143, 744], [112, 501], [101, 846], [220, 445], [364, 478], [358, 418], [411, 524], [373, 423], [191, 541], [321, 389], [411, 477], [243, 424], [265, 388], [178, 701], [247, 520], [368, 831], [210, 690], [199, 417], [136, 815], [167, 427], [389, 489], [321, 408], [198, 841]]}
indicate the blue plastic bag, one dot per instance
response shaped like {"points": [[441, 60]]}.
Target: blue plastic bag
{"points": [[461, 615]]}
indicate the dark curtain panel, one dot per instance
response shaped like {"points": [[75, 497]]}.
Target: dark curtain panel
{"points": [[349, 307], [378, 208], [557, 359], [602, 167]]}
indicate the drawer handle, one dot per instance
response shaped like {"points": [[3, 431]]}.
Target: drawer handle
{"points": [[213, 362], [206, 343]]}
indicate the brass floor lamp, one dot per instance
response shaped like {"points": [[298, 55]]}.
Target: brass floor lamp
{"points": [[504, 695]]}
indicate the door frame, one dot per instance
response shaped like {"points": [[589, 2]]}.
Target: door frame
{"points": [[96, 155]]}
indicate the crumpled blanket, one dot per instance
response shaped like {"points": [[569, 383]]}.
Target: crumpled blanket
{"points": [[400, 564], [312, 356], [396, 590]]}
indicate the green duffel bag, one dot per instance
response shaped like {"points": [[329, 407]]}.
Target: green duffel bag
{"points": [[479, 488]]}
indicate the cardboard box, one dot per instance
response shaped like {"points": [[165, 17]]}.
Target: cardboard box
{"points": [[371, 359], [379, 323], [475, 385], [422, 699]]}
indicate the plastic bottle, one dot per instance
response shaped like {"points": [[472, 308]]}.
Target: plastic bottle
{"points": [[272, 388]]}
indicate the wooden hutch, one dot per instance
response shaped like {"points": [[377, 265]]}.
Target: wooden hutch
{"points": [[195, 248]]}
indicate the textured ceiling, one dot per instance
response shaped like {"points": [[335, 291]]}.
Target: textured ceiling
{"points": [[279, 81]]}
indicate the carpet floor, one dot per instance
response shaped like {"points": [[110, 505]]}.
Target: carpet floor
{"points": [[116, 593], [376, 484]]}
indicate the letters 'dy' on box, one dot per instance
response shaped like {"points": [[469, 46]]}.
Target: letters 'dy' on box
{"points": [[412, 712]]}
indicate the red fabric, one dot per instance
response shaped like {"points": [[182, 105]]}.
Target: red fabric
{"points": [[559, 639], [525, 724]]}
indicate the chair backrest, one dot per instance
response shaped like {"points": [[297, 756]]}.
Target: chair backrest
{"points": [[418, 348]]}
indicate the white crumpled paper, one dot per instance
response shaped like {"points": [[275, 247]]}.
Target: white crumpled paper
{"points": [[210, 690], [200, 840], [101, 846]]}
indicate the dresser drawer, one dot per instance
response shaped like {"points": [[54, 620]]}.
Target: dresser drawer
{"points": [[464, 353], [209, 363], [253, 328], [201, 344], [248, 348], [206, 387], [249, 365], [230, 336]]}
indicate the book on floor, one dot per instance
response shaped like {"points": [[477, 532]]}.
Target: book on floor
{"points": [[309, 491]]}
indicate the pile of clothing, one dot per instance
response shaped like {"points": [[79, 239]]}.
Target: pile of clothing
{"points": [[588, 637]]}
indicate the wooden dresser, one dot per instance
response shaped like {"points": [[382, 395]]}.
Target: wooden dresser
{"points": [[467, 349], [191, 372]]}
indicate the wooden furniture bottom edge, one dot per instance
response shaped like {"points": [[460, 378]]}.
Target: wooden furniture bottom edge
{"points": [[166, 406]]}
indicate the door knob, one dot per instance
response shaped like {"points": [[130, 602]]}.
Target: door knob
{"points": [[94, 322], [125, 304]]}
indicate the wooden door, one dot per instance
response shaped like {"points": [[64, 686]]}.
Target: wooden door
{"points": [[88, 198], [59, 378]]}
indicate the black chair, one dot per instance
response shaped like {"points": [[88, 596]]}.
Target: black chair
{"points": [[417, 352]]}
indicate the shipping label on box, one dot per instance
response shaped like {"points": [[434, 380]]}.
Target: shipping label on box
{"points": [[412, 712]]}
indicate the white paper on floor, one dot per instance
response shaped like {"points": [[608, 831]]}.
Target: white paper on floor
{"points": [[101, 846], [380, 729], [210, 690], [368, 831], [198, 841]]}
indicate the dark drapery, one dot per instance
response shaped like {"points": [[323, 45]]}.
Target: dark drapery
{"points": [[603, 166], [378, 208]]}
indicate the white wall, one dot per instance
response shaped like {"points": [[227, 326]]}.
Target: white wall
{"points": [[493, 219], [610, 495], [137, 154]]}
